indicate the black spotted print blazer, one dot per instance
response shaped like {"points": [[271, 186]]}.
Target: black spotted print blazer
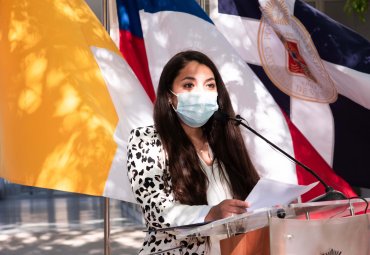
{"points": [[147, 172]]}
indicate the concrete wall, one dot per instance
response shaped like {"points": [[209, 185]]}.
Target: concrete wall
{"points": [[335, 10], [97, 7]]}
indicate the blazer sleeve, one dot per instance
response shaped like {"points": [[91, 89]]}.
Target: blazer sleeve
{"points": [[146, 171]]}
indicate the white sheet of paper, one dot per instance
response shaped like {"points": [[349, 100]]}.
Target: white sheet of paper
{"points": [[268, 193]]}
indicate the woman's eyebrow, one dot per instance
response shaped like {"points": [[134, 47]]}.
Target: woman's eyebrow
{"points": [[192, 78], [188, 78], [210, 79]]}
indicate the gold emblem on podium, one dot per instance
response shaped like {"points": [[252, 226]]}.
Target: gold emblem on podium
{"points": [[332, 252]]}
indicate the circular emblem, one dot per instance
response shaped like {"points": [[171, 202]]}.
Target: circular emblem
{"points": [[289, 56]]}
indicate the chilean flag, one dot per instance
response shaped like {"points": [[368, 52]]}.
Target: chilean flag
{"points": [[160, 29], [336, 119], [131, 43]]}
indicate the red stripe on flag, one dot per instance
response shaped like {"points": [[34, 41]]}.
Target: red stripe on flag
{"points": [[306, 153], [133, 50]]}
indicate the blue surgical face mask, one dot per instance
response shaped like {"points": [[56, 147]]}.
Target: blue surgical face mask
{"points": [[195, 108]]}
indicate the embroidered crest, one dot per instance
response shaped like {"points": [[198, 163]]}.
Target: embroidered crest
{"points": [[289, 56], [278, 11]]}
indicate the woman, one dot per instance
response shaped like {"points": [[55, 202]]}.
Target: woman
{"points": [[189, 167]]}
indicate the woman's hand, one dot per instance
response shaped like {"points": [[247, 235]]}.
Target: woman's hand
{"points": [[226, 208]]}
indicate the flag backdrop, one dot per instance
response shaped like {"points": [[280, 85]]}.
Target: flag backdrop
{"points": [[317, 70], [169, 26], [68, 100]]}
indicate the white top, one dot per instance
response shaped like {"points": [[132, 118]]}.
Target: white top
{"points": [[217, 191]]}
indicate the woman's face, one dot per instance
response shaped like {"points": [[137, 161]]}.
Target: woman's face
{"points": [[194, 77]]}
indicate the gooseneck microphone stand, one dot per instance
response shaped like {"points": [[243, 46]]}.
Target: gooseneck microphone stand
{"points": [[330, 193]]}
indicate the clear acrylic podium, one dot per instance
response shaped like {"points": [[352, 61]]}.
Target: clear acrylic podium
{"points": [[328, 228]]}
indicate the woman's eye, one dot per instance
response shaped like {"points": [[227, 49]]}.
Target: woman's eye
{"points": [[211, 85], [188, 85]]}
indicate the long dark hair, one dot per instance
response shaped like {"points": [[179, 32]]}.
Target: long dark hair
{"points": [[189, 181]]}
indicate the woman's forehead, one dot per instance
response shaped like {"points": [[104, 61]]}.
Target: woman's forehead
{"points": [[194, 69]]}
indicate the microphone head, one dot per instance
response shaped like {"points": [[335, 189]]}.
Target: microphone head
{"points": [[221, 116]]}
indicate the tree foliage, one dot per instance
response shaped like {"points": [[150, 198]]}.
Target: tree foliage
{"points": [[359, 7]]}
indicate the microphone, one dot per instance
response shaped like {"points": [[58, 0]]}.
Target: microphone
{"points": [[330, 193], [221, 116]]}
